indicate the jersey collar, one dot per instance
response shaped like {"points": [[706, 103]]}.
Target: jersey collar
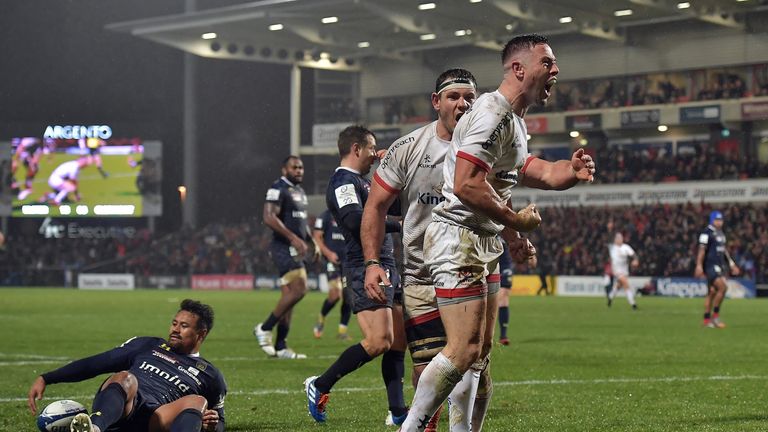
{"points": [[348, 169], [285, 179]]}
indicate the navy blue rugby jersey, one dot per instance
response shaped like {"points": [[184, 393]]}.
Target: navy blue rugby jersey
{"points": [[714, 241], [345, 197], [163, 375], [293, 208], [332, 235]]}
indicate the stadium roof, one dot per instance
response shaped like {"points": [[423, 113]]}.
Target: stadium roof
{"points": [[338, 33]]}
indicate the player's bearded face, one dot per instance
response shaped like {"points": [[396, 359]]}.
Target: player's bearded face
{"points": [[184, 336], [368, 155], [453, 104], [294, 171]]}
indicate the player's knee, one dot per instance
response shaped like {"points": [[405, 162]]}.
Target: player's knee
{"points": [[126, 380], [195, 402], [377, 345], [468, 355]]}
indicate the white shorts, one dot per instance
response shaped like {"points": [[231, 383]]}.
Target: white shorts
{"points": [[459, 261], [55, 182]]}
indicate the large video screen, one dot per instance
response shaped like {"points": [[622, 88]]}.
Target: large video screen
{"points": [[83, 173]]}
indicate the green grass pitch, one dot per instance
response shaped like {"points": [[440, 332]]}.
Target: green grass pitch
{"points": [[573, 365], [119, 188]]}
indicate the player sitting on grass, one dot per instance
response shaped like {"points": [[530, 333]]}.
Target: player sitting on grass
{"points": [[157, 385]]}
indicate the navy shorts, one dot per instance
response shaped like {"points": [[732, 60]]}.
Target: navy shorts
{"points": [[354, 283], [333, 271], [713, 272], [285, 258], [506, 269]]}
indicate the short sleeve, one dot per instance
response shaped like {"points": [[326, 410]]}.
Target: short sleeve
{"points": [[391, 173], [703, 239], [273, 195], [319, 225], [480, 142]]}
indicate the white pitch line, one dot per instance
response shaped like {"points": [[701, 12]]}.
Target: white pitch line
{"points": [[495, 383], [31, 356]]}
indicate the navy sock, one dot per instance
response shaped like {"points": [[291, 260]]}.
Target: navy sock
{"points": [[706, 315], [393, 370], [108, 406], [503, 320], [346, 313], [327, 306], [350, 360], [188, 420], [269, 322], [716, 310], [282, 334]]}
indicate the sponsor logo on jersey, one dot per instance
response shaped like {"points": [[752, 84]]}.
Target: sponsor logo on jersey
{"points": [[384, 162], [496, 134], [165, 357], [427, 162], [299, 214], [507, 175], [173, 379], [428, 198]]}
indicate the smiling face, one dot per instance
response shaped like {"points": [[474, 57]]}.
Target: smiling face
{"points": [[450, 105], [184, 337]]}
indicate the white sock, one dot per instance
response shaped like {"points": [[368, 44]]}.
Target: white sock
{"points": [[612, 295], [631, 296], [461, 400], [435, 384], [482, 399]]}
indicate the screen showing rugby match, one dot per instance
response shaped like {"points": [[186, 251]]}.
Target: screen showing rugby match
{"points": [[83, 171]]}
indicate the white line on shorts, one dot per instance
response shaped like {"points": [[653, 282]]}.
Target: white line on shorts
{"points": [[268, 392]]}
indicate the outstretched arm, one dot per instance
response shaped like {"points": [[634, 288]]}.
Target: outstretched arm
{"points": [[560, 175]]}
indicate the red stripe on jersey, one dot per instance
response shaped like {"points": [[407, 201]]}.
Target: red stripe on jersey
{"points": [[496, 277], [384, 184], [421, 319], [527, 162], [475, 160], [461, 292]]}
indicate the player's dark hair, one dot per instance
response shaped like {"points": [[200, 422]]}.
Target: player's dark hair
{"points": [[454, 74], [203, 311], [290, 158], [518, 43], [350, 135]]}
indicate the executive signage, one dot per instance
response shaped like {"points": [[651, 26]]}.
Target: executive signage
{"points": [[700, 114], [583, 122], [640, 118], [754, 111]]}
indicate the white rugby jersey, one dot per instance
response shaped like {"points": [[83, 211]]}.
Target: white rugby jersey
{"points": [[493, 137], [67, 170], [413, 169], [620, 256]]}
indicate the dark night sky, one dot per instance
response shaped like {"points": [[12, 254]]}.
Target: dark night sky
{"points": [[59, 65]]}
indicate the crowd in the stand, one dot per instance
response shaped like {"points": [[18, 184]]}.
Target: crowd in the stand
{"points": [[575, 240], [654, 165]]}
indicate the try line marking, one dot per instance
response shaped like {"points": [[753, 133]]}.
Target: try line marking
{"points": [[495, 383]]}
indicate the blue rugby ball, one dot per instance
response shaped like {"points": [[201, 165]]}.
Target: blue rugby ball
{"points": [[57, 416]]}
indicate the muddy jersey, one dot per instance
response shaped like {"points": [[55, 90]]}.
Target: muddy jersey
{"points": [[293, 208], [413, 169], [163, 375], [492, 137]]}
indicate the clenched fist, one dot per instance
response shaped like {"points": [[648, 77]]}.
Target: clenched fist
{"points": [[528, 219]]}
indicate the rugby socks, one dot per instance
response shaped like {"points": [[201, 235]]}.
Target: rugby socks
{"points": [[346, 314], [482, 399], [503, 320], [631, 296], [60, 196], [716, 312], [392, 371], [461, 399], [614, 290], [350, 360], [108, 406], [188, 420], [436, 382], [327, 306], [270, 322], [282, 335]]}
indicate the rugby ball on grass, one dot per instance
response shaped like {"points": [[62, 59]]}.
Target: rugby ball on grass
{"points": [[57, 416]]}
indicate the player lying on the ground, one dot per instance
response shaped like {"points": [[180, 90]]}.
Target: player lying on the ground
{"points": [[157, 385]]}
